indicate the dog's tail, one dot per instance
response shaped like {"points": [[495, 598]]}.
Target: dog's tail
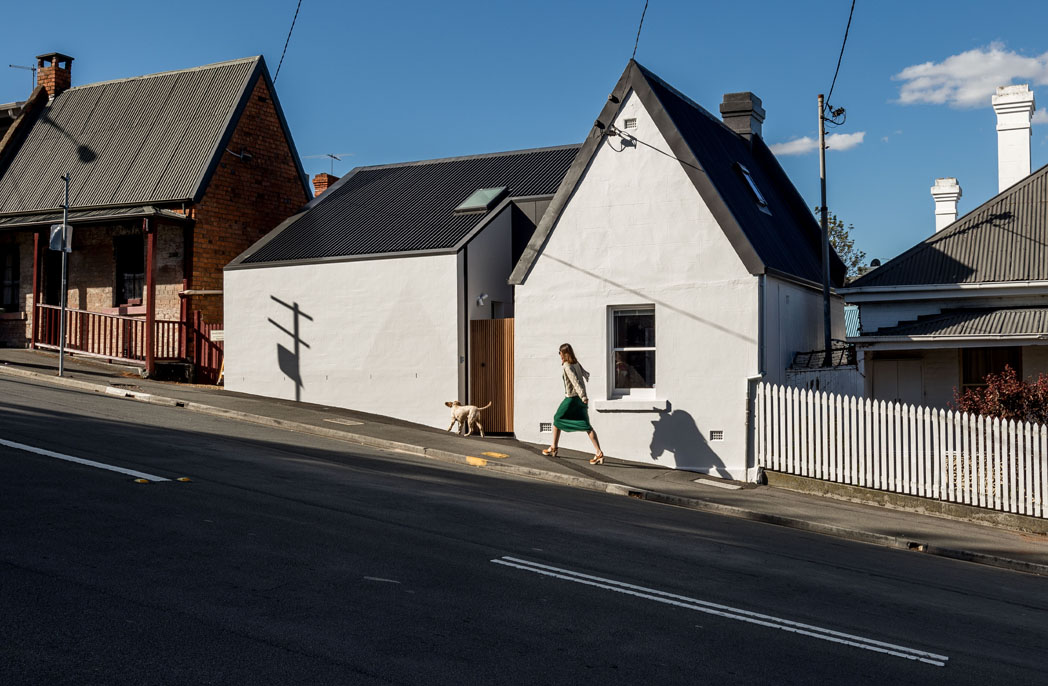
{"points": [[485, 407]]}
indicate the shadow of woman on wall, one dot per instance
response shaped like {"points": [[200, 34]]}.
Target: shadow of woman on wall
{"points": [[675, 432]]}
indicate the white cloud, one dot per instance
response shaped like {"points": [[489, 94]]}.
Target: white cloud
{"points": [[802, 146], [970, 78], [1040, 117]]}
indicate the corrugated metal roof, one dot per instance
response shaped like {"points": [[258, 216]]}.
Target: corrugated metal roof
{"points": [[141, 140], [851, 321], [409, 207], [788, 239], [1005, 239], [88, 216], [974, 322]]}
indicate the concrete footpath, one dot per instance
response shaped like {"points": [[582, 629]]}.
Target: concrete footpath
{"points": [[920, 533]]}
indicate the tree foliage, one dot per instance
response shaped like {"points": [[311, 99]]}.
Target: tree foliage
{"points": [[1007, 396], [843, 244]]}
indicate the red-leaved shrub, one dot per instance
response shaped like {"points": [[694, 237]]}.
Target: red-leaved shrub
{"points": [[1007, 396]]}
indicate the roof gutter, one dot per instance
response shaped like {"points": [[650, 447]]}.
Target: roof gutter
{"points": [[937, 290]]}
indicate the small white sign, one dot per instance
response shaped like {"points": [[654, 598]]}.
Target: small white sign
{"points": [[218, 335], [56, 237]]}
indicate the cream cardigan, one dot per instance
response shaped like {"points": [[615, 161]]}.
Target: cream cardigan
{"points": [[573, 381]]}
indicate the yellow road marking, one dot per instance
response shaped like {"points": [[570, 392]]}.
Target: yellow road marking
{"points": [[476, 461], [495, 454]]}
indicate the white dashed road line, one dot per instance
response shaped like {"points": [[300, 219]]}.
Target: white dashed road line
{"points": [[80, 460]]}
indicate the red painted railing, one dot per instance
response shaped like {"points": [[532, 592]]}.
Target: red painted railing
{"points": [[109, 336], [207, 353]]}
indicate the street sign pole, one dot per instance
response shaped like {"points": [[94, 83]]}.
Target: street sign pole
{"points": [[65, 276]]}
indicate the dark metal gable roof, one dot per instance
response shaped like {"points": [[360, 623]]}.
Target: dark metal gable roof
{"points": [[787, 241], [1004, 239], [408, 207], [142, 140]]}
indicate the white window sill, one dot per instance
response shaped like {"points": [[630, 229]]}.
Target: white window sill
{"points": [[629, 405]]}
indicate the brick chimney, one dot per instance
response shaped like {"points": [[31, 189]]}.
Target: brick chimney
{"points": [[321, 182], [946, 193], [1014, 106], [54, 72], [743, 114]]}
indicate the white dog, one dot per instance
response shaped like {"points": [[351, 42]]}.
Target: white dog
{"points": [[467, 416]]}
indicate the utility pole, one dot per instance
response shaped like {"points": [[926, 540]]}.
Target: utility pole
{"points": [[65, 275], [827, 340]]}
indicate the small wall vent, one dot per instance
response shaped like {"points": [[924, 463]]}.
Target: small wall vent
{"points": [[630, 123], [716, 435], [545, 427]]}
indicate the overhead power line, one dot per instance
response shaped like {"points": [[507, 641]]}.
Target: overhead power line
{"points": [[639, 27], [838, 69], [293, 20]]}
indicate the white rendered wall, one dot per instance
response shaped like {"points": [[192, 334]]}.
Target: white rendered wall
{"points": [[382, 338], [636, 232], [794, 323]]}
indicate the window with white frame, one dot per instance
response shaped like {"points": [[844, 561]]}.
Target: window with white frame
{"points": [[633, 350]]}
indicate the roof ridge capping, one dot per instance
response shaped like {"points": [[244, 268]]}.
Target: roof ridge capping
{"points": [[202, 67], [462, 158]]}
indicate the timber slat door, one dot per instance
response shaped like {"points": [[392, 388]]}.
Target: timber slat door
{"points": [[491, 372]]}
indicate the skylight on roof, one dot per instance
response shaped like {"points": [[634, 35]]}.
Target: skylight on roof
{"points": [[482, 199], [757, 195]]}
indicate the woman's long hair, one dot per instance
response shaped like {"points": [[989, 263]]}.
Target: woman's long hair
{"points": [[569, 357]]}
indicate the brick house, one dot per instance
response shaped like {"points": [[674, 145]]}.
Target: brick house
{"points": [[172, 175]]}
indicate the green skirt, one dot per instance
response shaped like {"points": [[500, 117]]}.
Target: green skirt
{"points": [[572, 415]]}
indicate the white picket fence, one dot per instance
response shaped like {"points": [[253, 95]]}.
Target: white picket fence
{"points": [[951, 456]]}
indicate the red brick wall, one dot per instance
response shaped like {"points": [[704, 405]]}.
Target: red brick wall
{"points": [[245, 199]]}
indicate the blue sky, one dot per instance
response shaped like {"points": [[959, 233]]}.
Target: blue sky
{"points": [[402, 81]]}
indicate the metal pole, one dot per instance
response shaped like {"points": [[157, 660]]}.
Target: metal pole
{"points": [[65, 276], [827, 340]]}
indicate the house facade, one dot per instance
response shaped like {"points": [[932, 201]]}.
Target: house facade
{"points": [[171, 176], [972, 297], [389, 293], [682, 266]]}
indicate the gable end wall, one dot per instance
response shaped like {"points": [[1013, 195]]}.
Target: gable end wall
{"points": [[244, 200]]}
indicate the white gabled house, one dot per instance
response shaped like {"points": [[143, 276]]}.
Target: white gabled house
{"points": [[683, 266]]}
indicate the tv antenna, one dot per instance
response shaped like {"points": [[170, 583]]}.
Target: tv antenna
{"points": [[32, 69], [335, 157]]}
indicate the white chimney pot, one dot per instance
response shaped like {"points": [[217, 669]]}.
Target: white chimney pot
{"points": [[946, 193], [1014, 106]]}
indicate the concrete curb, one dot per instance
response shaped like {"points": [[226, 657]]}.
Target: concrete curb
{"points": [[554, 477]]}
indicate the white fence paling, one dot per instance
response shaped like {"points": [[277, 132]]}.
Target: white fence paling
{"points": [[933, 453]]}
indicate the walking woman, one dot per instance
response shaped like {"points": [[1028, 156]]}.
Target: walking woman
{"points": [[573, 415]]}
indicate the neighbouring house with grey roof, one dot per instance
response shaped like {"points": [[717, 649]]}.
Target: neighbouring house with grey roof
{"points": [[683, 266], [972, 297], [389, 292], [171, 176]]}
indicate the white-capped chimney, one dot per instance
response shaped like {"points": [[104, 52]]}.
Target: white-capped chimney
{"points": [[1014, 106], [946, 193]]}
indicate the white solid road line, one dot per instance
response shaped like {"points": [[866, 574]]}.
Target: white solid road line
{"points": [[80, 460], [726, 611]]}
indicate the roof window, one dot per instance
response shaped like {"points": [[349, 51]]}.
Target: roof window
{"points": [[481, 200], [757, 195]]}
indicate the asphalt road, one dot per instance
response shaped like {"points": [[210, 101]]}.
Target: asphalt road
{"points": [[294, 559]]}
